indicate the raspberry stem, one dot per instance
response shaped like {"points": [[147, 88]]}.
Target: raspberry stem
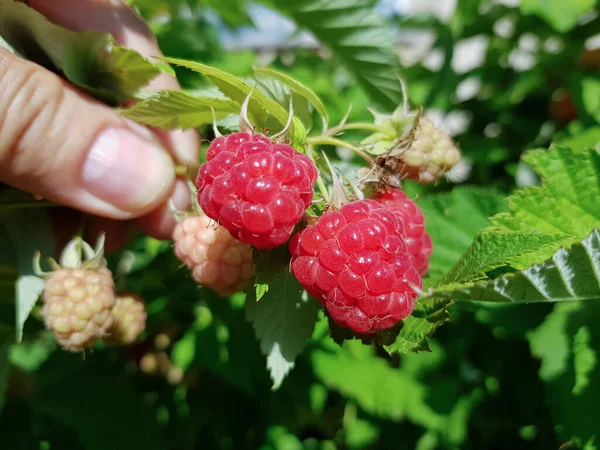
{"points": [[356, 126], [327, 140]]}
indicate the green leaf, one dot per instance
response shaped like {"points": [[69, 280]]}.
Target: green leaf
{"points": [[566, 343], [31, 231], [392, 393], [453, 220], [571, 274], [358, 36], [496, 247], [590, 93], [560, 212], [29, 356], [6, 339], [88, 59], [260, 106], [297, 88], [561, 15], [179, 109], [267, 265], [283, 320]]}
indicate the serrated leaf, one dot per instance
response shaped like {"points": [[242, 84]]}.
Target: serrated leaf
{"points": [[283, 321], [179, 109], [571, 274], [427, 316], [260, 106], [267, 265], [88, 59], [566, 343], [358, 36], [496, 247], [297, 88], [31, 231], [561, 15], [453, 220]]}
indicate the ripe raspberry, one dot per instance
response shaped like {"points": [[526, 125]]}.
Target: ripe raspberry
{"points": [[417, 239], [255, 188], [215, 258], [130, 320], [78, 295], [430, 155], [355, 262]]}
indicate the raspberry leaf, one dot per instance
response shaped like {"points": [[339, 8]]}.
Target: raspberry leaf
{"points": [[566, 343], [358, 37], [30, 230], [297, 88], [179, 109], [267, 265], [570, 274], [89, 59], [260, 106], [283, 321]]}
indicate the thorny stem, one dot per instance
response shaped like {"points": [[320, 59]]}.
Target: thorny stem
{"points": [[326, 140]]}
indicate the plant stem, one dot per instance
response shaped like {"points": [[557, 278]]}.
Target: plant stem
{"points": [[327, 140], [355, 126]]}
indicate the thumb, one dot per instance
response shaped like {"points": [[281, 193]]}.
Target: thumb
{"points": [[70, 149]]}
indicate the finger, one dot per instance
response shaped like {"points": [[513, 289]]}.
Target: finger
{"points": [[161, 222], [130, 30], [68, 148]]}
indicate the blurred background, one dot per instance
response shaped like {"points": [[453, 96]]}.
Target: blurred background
{"points": [[501, 76]]}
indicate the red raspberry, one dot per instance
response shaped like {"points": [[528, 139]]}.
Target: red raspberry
{"points": [[255, 188], [355, 261], [417, 239]]}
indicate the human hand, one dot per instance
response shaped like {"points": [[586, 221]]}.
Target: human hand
{"points": [[60, 144]]}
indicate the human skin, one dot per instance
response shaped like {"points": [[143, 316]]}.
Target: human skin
{"points": [[60, 144]]}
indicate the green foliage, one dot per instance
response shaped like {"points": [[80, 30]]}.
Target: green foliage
{"points": [[566, 344], [283, 319], [357, 36], [88, 59], [560, 15], [30, 231]]}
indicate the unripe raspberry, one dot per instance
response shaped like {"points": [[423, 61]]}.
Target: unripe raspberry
{"points": [[255, 188], [78, 296], [129, 320], [430, 155], [216, 259], [416, 238], [355, 261]]}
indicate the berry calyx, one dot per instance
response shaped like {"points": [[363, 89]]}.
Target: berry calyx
{"points": [[129, 320], [354, 261], [78, 295], [418, 241], [216, 260]]}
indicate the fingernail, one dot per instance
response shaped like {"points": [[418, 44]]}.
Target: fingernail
{"points": [[127, 171]]}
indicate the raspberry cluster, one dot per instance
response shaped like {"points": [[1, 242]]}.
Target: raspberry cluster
{"points": [[355, 261], [257, 189]]}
